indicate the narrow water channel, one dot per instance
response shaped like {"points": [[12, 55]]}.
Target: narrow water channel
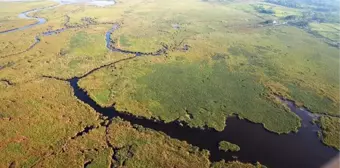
{"points": [[25, 15], [110, 45], [294, 150]]}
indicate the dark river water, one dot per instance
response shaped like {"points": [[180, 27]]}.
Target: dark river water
{"points": [[295, 150]]}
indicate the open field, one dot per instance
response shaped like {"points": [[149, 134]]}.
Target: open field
{"points": [[221, 58]]}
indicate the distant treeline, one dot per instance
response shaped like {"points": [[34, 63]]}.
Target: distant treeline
{"points": [[261, 9], [323, 11], [317, 5], [288, 3]]}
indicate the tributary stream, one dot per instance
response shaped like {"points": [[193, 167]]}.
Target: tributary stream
{"points": [[294, 150]]}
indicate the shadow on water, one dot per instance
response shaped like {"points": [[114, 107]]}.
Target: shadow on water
{"points": [[294, 150]]}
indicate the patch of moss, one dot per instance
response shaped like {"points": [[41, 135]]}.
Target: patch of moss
{"points": [[330, 129], [86, 44], [102, 96], [227, 146]]}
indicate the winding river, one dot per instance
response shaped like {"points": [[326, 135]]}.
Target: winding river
{"points": [[294, 150], [24, 15], [40, 21], [110, 45]]}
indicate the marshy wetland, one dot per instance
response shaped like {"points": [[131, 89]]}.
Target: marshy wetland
{"points": [[169, 83]]}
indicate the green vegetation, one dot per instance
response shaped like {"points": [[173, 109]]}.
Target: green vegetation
{"points": [[221, 61], [227, 146], [235, 164], [123, 42], [314, 102], [330, 131], [176, 90], [273, 60], [204, 98], [326, 30], [147, 148], [142, 87], [10, 11], [35, 125], [86, 44], [319, 6], [320, 18], [264, 9], [276, 10], [100, 159]]}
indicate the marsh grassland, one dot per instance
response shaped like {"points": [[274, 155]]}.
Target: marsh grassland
{"points": [[216, 59]]}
